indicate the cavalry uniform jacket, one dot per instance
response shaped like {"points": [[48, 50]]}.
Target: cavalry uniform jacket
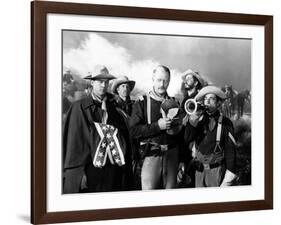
{"points": [[126, 106], [141, 131], [206, 139], [81, 140]]}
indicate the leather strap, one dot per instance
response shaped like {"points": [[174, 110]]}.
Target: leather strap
{"points": [[218, 138], [148, 108]]}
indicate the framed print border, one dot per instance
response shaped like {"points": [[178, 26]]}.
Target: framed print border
{"points": [[39, 12]]}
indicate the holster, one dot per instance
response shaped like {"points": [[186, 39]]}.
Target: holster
{"points": [[143, 150]]}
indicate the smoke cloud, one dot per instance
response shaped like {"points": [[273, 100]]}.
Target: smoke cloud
{"points": [[97, 50], [219, 60]]}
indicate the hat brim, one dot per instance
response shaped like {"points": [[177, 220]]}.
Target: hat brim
{"points": [[210, 90], [119, 82], [100, 77]]}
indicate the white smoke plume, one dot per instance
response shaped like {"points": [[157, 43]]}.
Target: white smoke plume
{"points": [[97, 50]]}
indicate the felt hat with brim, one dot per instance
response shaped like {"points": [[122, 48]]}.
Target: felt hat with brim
{"points": [[194, 74], [170, 108], [122, 80], [169, 104], [210, 90], [100, 73]]}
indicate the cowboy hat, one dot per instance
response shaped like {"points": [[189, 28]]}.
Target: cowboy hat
{"points": [[100, 73], [170, 108], [194, 74], [210, 90], [122, 80], [169, 104]]}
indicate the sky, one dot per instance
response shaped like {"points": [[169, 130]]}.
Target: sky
{"points": [[220, 61]]}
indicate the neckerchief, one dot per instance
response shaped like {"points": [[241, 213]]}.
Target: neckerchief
{"points": [[212, 122], [103, 107], [120, 100], [192, 92], [156, 97], [126, 105]]}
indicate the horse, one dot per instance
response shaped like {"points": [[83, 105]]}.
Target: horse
{"points": [[228, 106], [240, 99]]}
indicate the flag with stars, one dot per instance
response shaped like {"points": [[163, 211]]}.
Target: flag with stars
{"points": [[108, 146]]}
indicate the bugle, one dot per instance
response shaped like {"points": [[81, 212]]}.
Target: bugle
{"points": [[191, 106]]}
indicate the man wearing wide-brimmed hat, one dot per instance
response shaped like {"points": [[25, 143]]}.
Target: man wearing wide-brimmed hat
{"points": [[97, 156], [122, 88], [192, 82], [214, 149]]}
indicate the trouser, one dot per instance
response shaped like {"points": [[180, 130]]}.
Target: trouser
{"points": [[160, 171], [209, 177]]}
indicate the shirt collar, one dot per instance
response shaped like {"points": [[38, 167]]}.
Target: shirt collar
{"points": [[215, 115], [89, 100], [156, 97]]}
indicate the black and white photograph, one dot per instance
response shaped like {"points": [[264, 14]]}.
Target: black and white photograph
{"points": [[148, 112], [154, 111]]}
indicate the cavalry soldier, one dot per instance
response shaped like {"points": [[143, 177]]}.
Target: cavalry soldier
{"points": [[155, 124], [95, 142], [214, 148], [192, 82], [122, 87]]}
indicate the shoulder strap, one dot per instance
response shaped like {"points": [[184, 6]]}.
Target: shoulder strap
{"points": [[148, 108], [219, 132], [218, 148], [219, 129], [232, 138]]}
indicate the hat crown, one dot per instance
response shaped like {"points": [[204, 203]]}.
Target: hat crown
{"points": [[194, 74], [100, 70], [190, 71], [210, 90], [100, 73], [169, 104], [123, 78]]}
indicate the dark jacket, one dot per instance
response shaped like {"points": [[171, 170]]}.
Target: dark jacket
{"points": [[126, 106], [79, 142], [206, 139], [141, 131]]}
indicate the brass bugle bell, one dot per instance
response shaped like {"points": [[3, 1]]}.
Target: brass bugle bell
{"points": [[191, 106]]}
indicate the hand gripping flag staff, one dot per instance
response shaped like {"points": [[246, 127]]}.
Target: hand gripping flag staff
{"points": [[108, 146]]}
